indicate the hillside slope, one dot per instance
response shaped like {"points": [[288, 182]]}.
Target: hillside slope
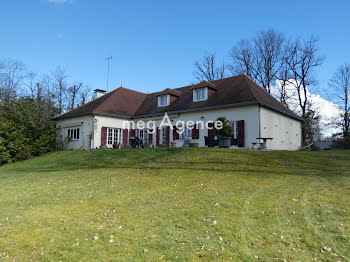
{"points": [[176, 204]]}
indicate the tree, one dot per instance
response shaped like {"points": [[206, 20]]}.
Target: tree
{"points": [[260, 58], [242, 59], [72, 93], [12, 74], [340, 90], [302, 59], [77, 95], [207, 69], [60, 88]]}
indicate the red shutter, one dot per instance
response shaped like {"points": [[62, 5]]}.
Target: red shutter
{"points": [[175, 133], [103, 135], [210, 131], [125, 137], [195, 132], [150, 136], [240, 136], [132, 132], [167, 133], [157, 137]]}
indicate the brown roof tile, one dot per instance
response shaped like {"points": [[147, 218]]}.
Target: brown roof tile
{"points": [[121, 102], [231, 91], [204, 84], [169, 91]]}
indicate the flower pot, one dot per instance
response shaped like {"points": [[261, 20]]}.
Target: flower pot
{"points": [[116, 145], [224, 141], [173, 144]]}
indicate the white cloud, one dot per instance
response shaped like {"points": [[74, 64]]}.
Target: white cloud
{"points": [[326, 109]]}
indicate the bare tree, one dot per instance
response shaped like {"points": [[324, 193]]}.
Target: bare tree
{"points": [[207, 69], [340, 90], [242, 59], [283, 79], [72, 94], [260, 58], [84, 94], [60, 87], [12, 74], [302, 59]]}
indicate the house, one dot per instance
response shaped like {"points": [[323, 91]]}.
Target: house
{"points": [[252, 112]]}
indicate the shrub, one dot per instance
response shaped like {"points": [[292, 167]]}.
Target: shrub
{"points": [[226, 129]]}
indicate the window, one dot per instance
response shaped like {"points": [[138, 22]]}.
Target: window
{"points": [[114, 135], [187, 133], [73, 133], [164, 136], [234, 128], [163, 100], [200, 94]]}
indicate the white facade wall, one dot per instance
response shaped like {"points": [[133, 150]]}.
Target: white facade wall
{"points": [[247, 113], [107, 121], [285, 131], [85, 125], [258, 122]]}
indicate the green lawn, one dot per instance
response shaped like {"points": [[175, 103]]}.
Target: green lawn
{"points": [[175, 204]]}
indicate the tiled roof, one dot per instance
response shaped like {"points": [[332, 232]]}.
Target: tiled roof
{"points": [[121, 102], [169, 91], [204, 84], [232, 91]]}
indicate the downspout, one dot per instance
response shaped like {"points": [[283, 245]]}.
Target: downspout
{"points": [[92, 141], [259, 121]]}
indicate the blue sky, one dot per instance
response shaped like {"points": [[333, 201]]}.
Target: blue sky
{"points": [[155, 43]]}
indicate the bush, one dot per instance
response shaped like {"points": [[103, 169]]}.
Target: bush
{"points": [[342, 143], [225, 131]]}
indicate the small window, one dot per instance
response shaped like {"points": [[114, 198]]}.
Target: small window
{"points": [[73, 133], [163, 100], [200, 94]]}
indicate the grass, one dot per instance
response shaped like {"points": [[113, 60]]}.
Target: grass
{"points": [[176, 204]]}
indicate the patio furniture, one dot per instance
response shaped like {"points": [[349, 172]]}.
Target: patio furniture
{"points": [[264, 139], [210, 141]]}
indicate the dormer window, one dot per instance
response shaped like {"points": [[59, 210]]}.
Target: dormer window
{"points": [[200, 94], [163, 100]]}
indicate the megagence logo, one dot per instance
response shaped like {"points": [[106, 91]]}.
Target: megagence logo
{"points": [[179, 124]]}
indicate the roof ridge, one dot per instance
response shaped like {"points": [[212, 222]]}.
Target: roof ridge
{"points": [[136, 91]]}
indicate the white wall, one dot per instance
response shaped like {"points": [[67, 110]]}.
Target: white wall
{"points": [[247, 113], [285, 131], [107, 121], [85, 123]]}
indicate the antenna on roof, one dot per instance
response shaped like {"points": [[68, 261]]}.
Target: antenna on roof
{"points": [[108, 59]]}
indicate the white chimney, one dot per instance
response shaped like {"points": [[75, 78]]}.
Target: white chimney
{"points": [[98, 93]]}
